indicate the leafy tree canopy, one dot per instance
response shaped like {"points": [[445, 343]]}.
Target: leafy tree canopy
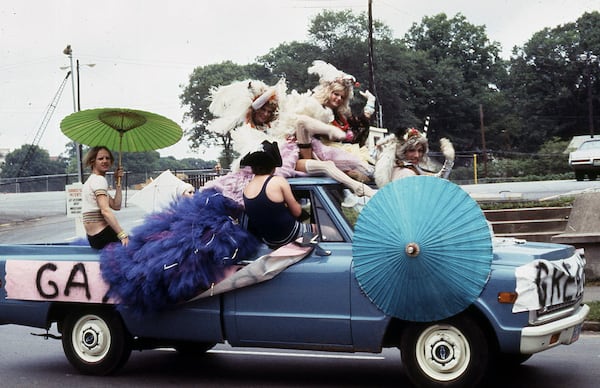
{"points": [[31, 160], [549, 82]]}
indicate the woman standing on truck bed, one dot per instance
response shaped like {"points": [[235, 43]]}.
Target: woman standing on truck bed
{"points": [[99, 221]]}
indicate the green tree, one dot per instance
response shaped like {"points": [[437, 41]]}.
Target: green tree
{"points": [[138, 162], [290, 61], [31, 160], [170, 163], [198, 164], [457, 74], [70, 154], [341, 38], [547, 82]]}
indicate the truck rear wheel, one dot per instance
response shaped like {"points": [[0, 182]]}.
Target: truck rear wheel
{"points": [[452, 353], [95, 342]]}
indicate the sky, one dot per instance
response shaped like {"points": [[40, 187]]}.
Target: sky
{"points": [[139, 54]]}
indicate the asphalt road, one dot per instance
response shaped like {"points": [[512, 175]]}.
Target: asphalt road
{"points": [[28, 361]]}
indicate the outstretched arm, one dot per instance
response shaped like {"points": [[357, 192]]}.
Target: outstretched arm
{"points": [[448, 151], [369, 108]]}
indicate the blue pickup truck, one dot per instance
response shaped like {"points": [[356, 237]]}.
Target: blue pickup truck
{"points": [[531, 301]]}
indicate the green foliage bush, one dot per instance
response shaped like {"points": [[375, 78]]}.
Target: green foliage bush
{"points": [[550, 163], [594, 314]]}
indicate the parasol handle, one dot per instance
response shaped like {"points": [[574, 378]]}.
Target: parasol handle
{"points": [[412, 249], [119, 166]]}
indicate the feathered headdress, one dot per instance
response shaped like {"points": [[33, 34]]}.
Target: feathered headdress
{"points": [[328, 73], [230, 103], [330, 79]]}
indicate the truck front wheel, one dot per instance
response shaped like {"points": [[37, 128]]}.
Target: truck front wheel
{"points": [[449, 353], [95, 342]]}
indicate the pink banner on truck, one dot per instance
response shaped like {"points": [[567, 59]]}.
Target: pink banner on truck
{"points": [[61, 281]]}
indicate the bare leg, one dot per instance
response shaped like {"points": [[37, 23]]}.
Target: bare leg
{"points": [[305, 150], [309, 126], [320, 167]]}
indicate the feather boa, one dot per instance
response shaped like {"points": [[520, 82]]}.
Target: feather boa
{"points": [[386, 159], [177, 253]]}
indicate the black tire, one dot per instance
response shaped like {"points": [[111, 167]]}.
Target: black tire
{"points": [[96, 341], [579, 175], [449, 353], [592, 175]]}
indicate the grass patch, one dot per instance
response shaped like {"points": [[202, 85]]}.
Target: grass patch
{"points": [[560, 202], [594, 314]]}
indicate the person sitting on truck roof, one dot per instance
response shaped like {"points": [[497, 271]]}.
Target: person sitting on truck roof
{"points": [[99, 221], [269, 114], [407, 156], [273, 211]]}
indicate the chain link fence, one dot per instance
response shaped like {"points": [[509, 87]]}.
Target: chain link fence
{"points": [[131, 180]]}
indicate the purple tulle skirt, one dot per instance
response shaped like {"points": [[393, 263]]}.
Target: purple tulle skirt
{"points": [[177, 253]]}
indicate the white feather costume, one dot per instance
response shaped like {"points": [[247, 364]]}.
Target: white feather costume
{"points": [[294, 105], [387, 158], [328, 73], [229, 104]]}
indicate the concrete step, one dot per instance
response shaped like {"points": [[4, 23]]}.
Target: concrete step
{"points": [[552, 225], [533, 224], [534, 213]]}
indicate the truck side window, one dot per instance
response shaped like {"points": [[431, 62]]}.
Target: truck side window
{"points": [[349, 213], [319, 216]]}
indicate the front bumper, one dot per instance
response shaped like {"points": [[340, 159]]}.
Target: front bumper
{"points": [[585, 165], [565, 331]]}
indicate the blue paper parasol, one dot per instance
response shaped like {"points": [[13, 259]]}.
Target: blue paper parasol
{"points": [[422, 249]]}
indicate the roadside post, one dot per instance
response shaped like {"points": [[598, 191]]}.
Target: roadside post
{"points": [[74, 206]]}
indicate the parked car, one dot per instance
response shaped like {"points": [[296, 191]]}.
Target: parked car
{"points": [[314, 304], [585, 160]]}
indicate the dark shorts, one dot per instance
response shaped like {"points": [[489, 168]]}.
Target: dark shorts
{"points": [[100, 240], [299, 229]]}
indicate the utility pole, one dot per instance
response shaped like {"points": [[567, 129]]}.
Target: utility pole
{"points": [[485, 172], [69, 52], [372, 87], [79, 146], [589, 60]]}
